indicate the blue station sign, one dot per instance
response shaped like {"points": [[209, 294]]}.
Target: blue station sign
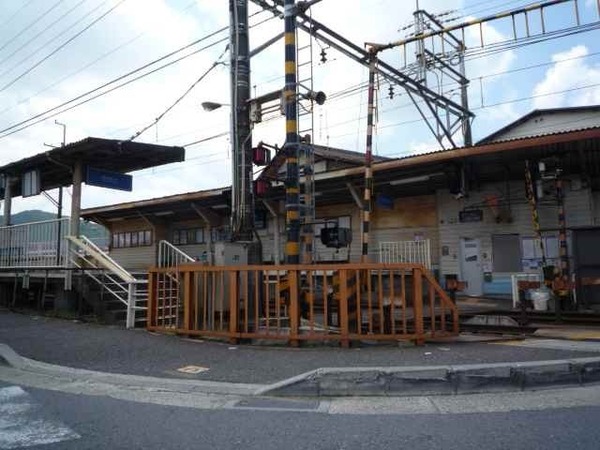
{"points": [[108, 179]]}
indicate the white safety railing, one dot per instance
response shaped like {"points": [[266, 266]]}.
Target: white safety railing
{"points": [[171, 256], [111, 275], [35, 244], [413, 252]]}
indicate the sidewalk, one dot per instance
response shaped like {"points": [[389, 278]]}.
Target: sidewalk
{"points": [[137, 352]]}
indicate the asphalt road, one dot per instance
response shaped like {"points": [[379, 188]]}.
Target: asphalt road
{"points": [[91, 422], [116, 350]]}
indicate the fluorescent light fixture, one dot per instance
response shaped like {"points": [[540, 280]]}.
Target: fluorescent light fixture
{"points": [[163, 213], [220, 206], [418, 179], [410, 180]]}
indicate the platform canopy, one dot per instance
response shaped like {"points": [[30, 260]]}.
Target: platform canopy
{"points": [[56, 166]]}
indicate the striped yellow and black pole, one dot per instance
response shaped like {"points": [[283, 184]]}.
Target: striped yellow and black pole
{"points": [[367, 199], [534, 211], [292, 190]]}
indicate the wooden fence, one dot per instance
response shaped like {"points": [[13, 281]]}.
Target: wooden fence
{"points": [[351, 302]]}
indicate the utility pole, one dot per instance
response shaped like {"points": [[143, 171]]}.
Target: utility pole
{"points": [[242, 205], [292, 189], [60, 200]]}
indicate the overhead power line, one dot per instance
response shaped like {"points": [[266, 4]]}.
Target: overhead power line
{"points": [[122, 77], [54, 111], [15, 14], [46, 28], [63, 45], [51, 40], [27, 27], [188, 90]]}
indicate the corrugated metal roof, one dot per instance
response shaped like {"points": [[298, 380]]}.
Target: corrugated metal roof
{"points": [[539, 112], [403, 166]]}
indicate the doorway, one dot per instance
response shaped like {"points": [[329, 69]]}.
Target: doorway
{"points": [[470, 266]]}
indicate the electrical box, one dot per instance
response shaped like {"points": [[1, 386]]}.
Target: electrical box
{"points": [[233, 254], [336, 237], [237, 253]]}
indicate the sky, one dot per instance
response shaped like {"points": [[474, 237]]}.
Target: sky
{"points": [[56, 55]]}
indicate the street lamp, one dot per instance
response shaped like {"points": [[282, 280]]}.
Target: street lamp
{"points": [[211, 106]]}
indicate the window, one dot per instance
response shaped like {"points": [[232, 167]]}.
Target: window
{"points": [[506, 252], [128, 239], [260, 219], [188, 236]]}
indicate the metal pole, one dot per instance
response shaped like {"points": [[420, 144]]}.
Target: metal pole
{"points": [[292, 247], [366, 224], [7, 199], [60, 200], [464, 96], [534, 212], [242, 208], [76, 198], [59, 229]]}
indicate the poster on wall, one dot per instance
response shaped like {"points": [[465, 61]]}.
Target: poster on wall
{"points": [[470, 215]]}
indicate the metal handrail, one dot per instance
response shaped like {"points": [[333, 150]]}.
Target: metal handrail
{"points": [[102, 257], [418, 252], [34, 244], [167, 253]]}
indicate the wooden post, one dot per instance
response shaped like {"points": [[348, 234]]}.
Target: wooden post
{"points": [[151, 310], [294, 307], [233, 307], [187, 300], [418, 305], [343, 311]]}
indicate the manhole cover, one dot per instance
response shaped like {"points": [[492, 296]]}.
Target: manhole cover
{"points": [[192, 369]]}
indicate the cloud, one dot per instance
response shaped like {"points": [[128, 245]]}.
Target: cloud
{"points": [[570, 72]]}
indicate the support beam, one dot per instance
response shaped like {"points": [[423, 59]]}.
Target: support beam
{"points": [[76, 198], [209, 218], [355, 195], [7, 200]]}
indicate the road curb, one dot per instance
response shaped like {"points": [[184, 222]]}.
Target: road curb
{"points": [[16, 361], [350, 381], [438, 380]]}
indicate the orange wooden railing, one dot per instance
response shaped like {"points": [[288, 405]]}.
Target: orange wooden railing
{"points": [[351, 302]]}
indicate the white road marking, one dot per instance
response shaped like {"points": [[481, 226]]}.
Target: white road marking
{"points": [[22, 425]]}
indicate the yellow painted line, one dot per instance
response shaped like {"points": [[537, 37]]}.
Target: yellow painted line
{"points": [[515, 343], [580, 336]]}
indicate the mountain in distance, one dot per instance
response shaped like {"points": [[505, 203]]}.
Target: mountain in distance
{"points": [[91, 230]]}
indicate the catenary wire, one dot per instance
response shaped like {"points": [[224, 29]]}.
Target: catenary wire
{"points": [[31, 24], [63, 45]]}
